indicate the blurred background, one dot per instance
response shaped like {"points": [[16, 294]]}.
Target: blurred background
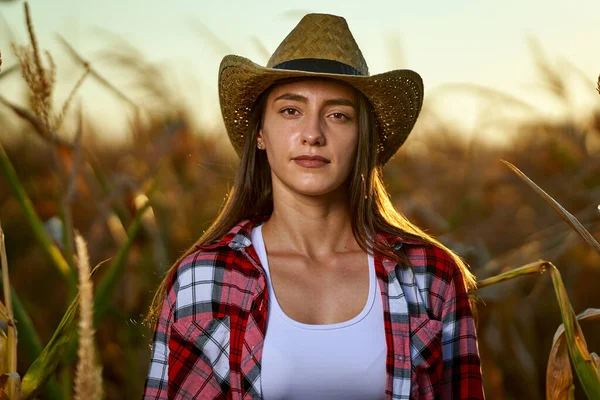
{"points": [[516, 82]]}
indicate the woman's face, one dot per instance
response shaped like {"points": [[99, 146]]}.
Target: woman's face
{"points": [[310, 134]]}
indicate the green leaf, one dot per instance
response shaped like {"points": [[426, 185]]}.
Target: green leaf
{"points": [[108, 283], [51, 252], [28, 337], [30, 343], [46, 364]]}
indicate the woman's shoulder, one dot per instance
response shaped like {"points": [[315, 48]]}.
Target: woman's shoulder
{"points": [[207, 276], [426, 257], [214, 251], [213, 263], [203, 260], [440, 266], [435, 259]]}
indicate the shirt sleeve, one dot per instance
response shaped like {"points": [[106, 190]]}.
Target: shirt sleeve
{"points": [[157, 381], [461, 376]]}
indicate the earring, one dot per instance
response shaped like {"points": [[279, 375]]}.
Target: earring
{"points": [[260, 145]]}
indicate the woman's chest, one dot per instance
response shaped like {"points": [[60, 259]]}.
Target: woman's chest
{"points": [[319, 293]]}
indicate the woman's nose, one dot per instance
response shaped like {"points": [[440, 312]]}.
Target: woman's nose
{"points": [[312, 132]]}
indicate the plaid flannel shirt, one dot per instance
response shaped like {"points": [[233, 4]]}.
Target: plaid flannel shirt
{"points": [[211, 328]]}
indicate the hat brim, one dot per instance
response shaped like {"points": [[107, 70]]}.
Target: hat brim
{"points": [[396, 96]]}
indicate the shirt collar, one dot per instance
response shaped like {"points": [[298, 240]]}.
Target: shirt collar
{"points": [[396, 241], [240, 234]]}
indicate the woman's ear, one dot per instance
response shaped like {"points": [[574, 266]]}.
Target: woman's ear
{"points": [[259, 140]]}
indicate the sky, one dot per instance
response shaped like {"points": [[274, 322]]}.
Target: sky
{"points": [[449, 43]]}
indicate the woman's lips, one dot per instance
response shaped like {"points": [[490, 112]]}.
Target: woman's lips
{"points": [[311, 161]]}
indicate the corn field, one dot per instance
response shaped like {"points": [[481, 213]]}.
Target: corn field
{"points": [[88, 229]]}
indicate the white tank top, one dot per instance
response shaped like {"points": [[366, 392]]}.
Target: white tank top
{"points": [[345, 360]]}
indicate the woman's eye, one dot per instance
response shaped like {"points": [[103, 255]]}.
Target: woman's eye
{"points": [[289, 111], [339, 115]]}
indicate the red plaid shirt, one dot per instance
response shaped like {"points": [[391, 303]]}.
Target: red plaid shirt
{"points": [[211, 328]]}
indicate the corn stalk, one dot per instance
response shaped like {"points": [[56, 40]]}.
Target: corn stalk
{"points": [[12, 377]]}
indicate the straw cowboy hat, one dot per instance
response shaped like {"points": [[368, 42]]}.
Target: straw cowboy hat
{"points": [[322, 45]]}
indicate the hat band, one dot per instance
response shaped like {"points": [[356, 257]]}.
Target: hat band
{"points": [[318, 65]]}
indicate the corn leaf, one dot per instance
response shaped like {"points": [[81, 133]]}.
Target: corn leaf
{"points": [[7, 71], [564, 214], [584, 362], [62, 340], [46, 364], [538, 267], [52, 252], [559, 375], [585, 367], [108, 283], [30, 343]]}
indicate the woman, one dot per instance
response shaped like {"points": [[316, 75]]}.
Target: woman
{"points": [[309, 284]]}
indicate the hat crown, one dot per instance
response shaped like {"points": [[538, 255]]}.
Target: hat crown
{"points": [[321, 36]]}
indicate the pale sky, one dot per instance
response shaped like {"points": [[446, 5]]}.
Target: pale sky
{"points": [[447, 42]]}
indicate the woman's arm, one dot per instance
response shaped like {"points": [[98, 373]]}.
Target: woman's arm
{"points": [[461, 377], [158, 374]]}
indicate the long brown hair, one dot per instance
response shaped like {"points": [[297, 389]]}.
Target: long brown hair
{"points": [[251, 196]]}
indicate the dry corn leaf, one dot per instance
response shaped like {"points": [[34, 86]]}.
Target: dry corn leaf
{"points": [[5, 72], [584, 363], [4, 380], [559, 375], [99, 78], [564, 214], [3, 343], [596, 360], [3, 338]]}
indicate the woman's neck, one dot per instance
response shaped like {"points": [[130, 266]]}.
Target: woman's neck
{"points": [[313, 226]]}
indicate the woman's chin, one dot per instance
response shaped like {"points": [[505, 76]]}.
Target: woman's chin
{"points": [[315, 189]]}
